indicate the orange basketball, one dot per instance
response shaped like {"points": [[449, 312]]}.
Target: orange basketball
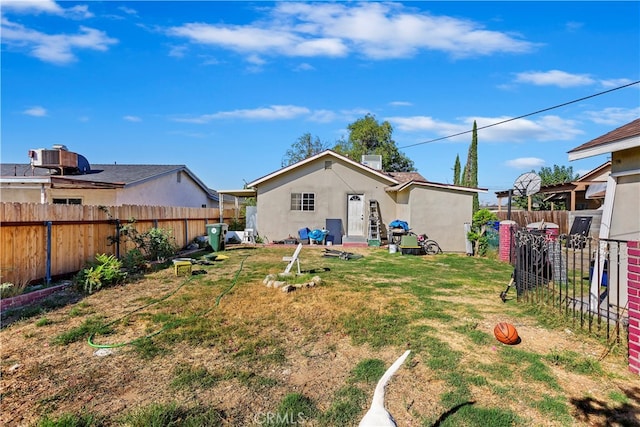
{"points": [[506, 333]]}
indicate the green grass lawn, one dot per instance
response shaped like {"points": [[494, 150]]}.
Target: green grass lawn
{"points": [[221, 348]]}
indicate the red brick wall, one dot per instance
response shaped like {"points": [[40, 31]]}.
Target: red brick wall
{"points": [[24, 299], [633, 276], [506, 239]]}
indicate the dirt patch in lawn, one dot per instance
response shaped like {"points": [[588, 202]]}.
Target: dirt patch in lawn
{"points": [[260, 344]]}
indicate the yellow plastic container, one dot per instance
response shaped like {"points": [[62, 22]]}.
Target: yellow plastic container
{"points": [[183, 268]]}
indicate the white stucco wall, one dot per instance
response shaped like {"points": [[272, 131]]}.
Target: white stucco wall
{"points": [[625, 220], [440, 214], [331, 187], [22, 193], [165, 191]]}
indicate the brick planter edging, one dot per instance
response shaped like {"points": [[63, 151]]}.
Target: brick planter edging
{"points": [[24, 299], [633, 288]]}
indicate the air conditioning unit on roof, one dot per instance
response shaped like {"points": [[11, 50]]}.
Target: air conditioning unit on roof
{"points": [[374, 161], [57, 158]]}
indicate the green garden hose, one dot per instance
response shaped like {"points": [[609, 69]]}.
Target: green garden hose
{"points": [[170, 324]]}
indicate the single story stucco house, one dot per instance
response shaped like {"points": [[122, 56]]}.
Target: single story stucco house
{"points": [[331, 191]]}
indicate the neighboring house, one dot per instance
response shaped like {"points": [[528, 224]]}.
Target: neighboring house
{"points": [[587, 192], [621, 210], [622, 200], [328, 189], [59, 181]]}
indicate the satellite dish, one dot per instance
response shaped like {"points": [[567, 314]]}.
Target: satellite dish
{"points": [[527, 184]]}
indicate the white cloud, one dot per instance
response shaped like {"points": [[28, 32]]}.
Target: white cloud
{"points": [[613, 116], [304, 67], [177, 51], [385, 30], [373, 30], [133, 119], [78, 12], [273, 112], [525, 163], [32, 6], [545, 128], [45, 6], [36, 111], [573, 26], [400, 104], [58, 48], [554, 78], [611, 83], [256, 60], [323, 116], [128, 10]]}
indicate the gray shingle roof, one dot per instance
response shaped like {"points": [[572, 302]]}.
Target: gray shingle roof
{"points": [[629, 130], [108, 173]]}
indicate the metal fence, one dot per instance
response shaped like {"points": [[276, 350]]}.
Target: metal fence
{"points": [[582, 278]]}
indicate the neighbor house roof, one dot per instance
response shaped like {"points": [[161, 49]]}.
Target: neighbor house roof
{"points": [[100, 175], [407, 176], [622, 138], [430, 184], [579, 185]]}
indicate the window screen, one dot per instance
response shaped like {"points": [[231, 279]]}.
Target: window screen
{"points": [[303, 202]]}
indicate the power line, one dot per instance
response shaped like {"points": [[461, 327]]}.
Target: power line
{"points": [[524, 115]]}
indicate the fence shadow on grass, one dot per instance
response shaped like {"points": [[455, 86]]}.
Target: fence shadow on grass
{"points": [[625, 414]]}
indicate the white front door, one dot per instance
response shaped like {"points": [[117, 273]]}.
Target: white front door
{"points": [[355, 215]]}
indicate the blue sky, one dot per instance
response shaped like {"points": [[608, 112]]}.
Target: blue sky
{"points": [[227, 87]]}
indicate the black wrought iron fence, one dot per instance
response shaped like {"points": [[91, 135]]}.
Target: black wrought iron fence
{"points": [[582, 278]]}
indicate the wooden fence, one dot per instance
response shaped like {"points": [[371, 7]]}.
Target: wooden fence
{"points": [[41, 241], [523, 218]]}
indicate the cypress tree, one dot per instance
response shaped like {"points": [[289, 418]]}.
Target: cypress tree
{"points": [[470, 175], [456, 171]]}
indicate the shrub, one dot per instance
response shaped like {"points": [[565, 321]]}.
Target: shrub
{"points": [[237, 224], [156, 244], [478, 235], [134, 260], [159, 244], [106, 270], [8, 289]]}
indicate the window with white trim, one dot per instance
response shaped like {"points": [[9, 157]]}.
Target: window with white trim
{"points": [[303, 202]]}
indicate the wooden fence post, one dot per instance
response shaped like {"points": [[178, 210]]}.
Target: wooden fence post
{"points": [[48, 256]]}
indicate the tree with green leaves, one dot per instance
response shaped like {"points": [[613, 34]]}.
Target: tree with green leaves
{"points": [[368, 136], [303, 148], [470, 174], [478, 234], [548, 176], [456, 171]]}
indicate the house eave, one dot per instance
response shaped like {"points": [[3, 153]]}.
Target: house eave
{"points": [[611, 147], [245, 192]]}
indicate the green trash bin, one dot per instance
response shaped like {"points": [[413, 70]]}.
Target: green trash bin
{"points": [[217, 234]]}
